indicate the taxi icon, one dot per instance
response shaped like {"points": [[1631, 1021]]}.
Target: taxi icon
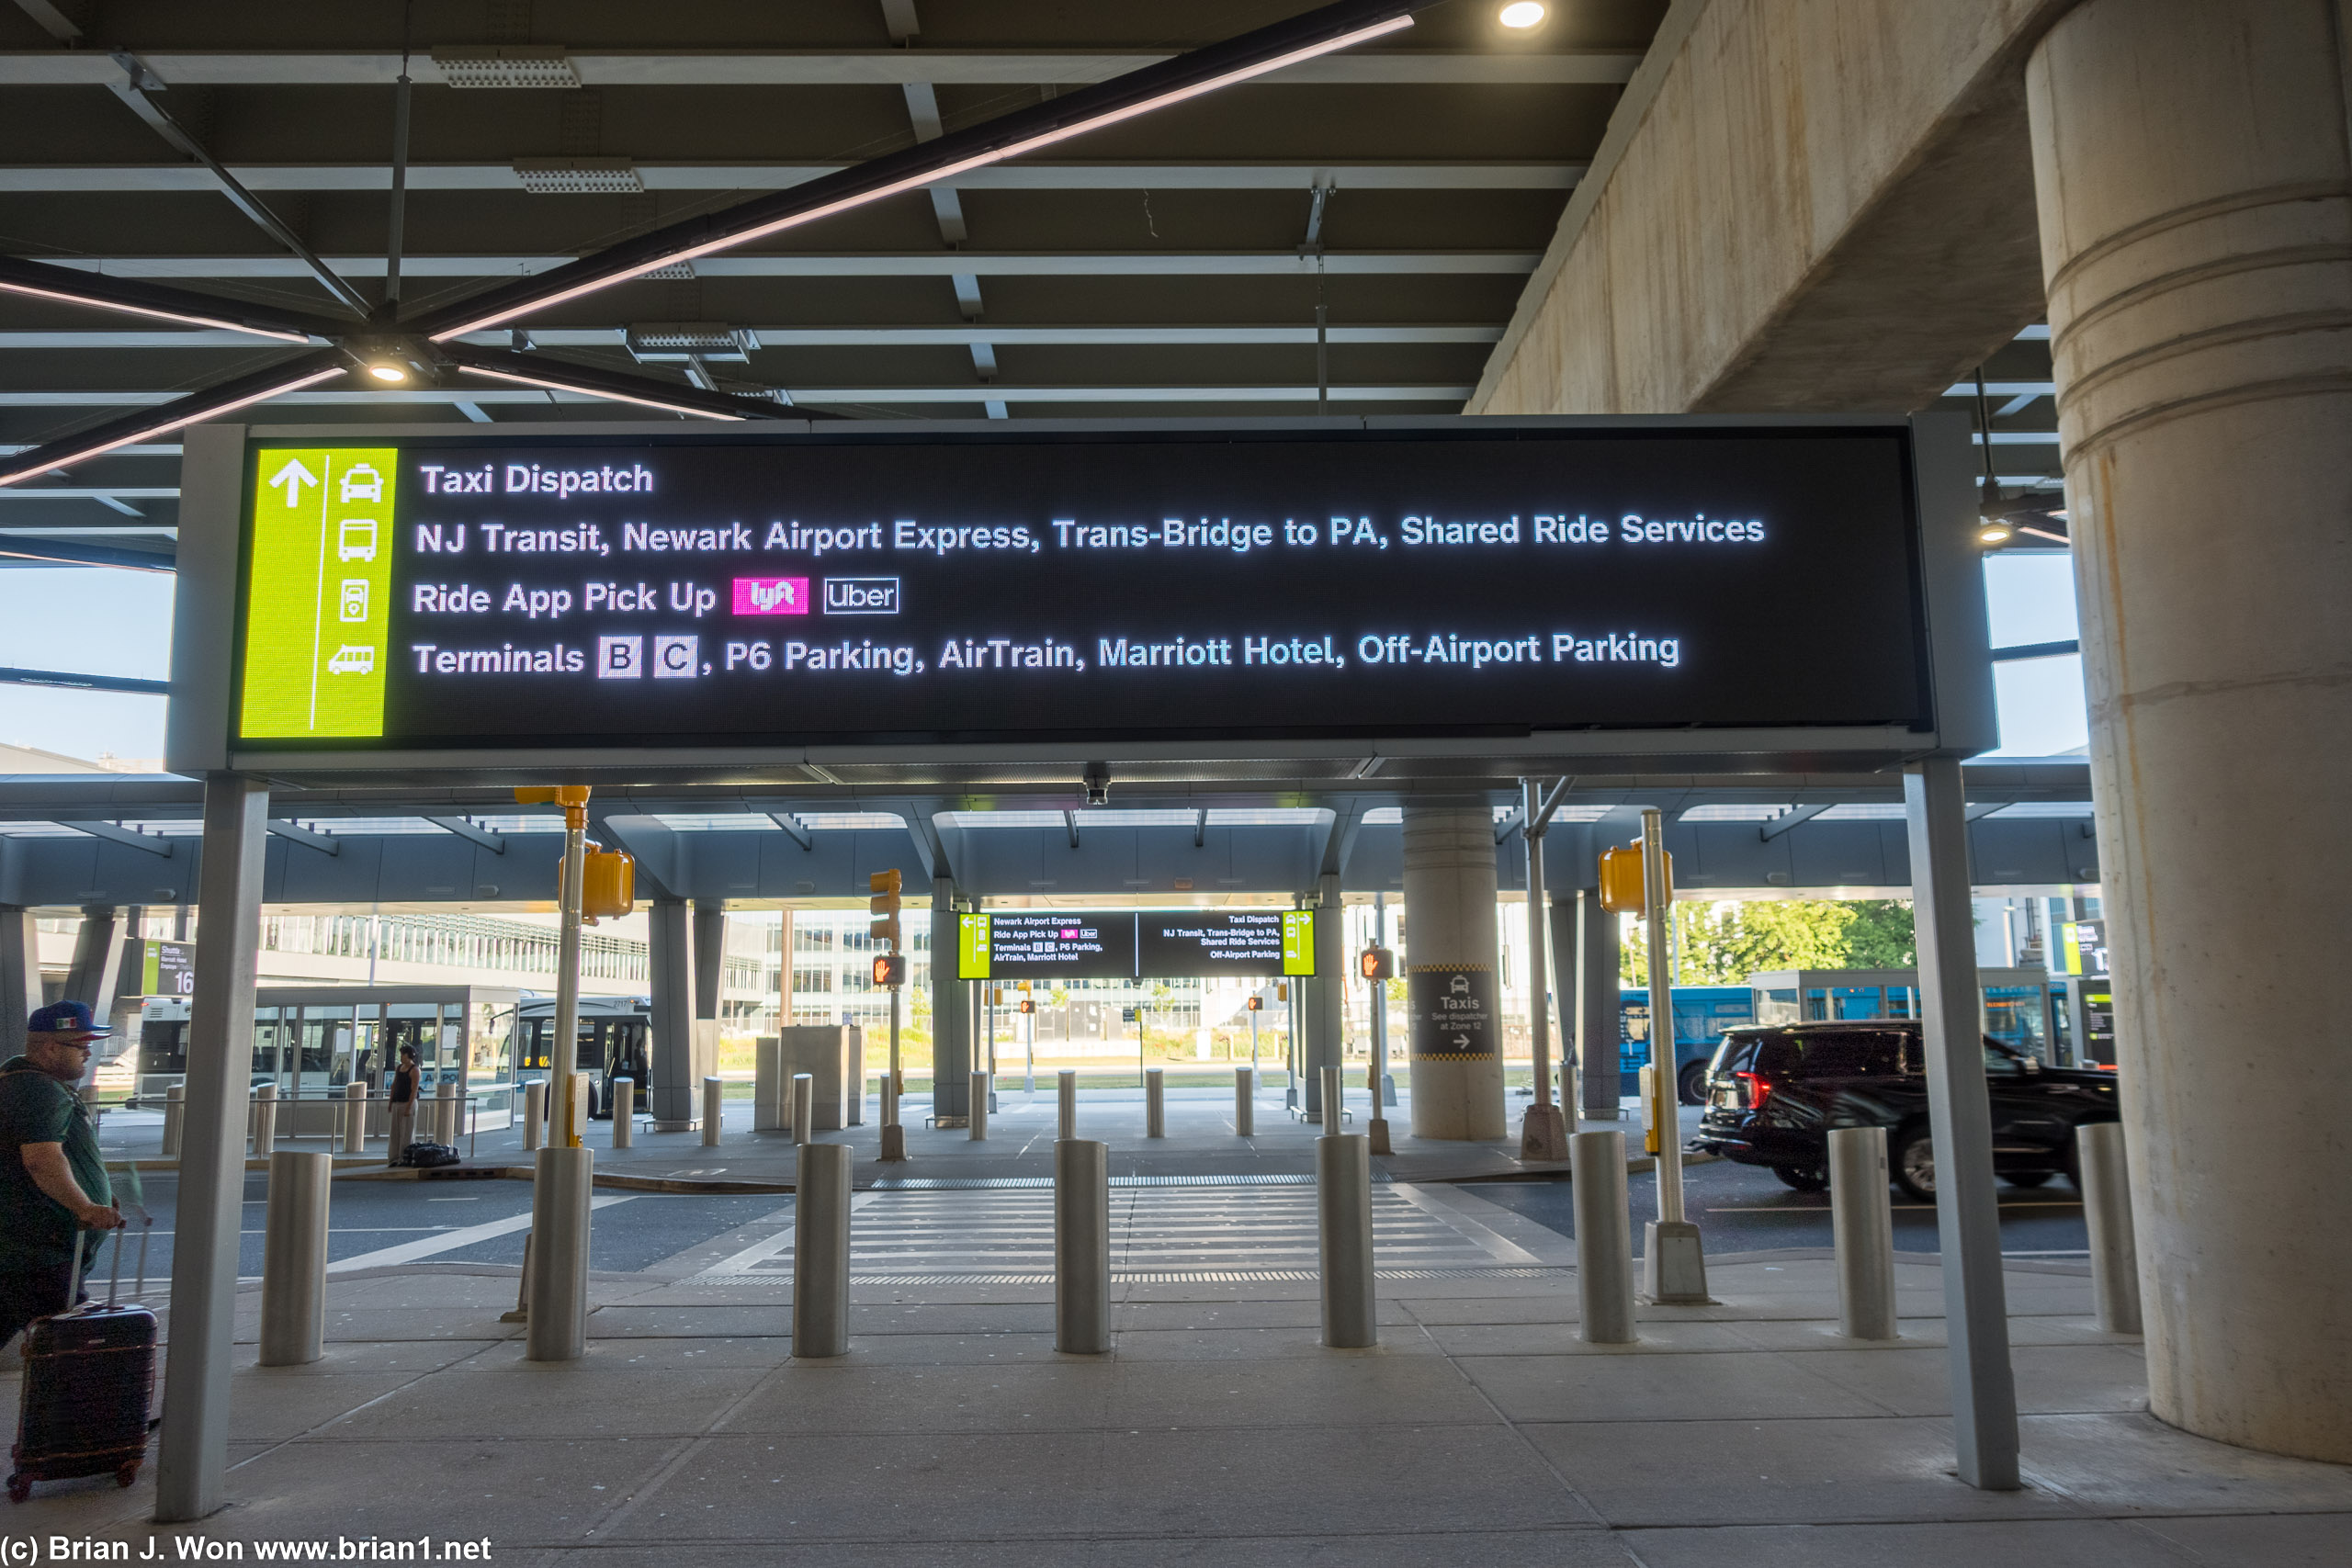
{"points": [[1460, 986], [362, 482]]}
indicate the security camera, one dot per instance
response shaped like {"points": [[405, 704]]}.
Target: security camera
{"points": [[1097, 779]]}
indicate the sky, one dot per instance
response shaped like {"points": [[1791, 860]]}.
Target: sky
{"points": [[104, 622]]}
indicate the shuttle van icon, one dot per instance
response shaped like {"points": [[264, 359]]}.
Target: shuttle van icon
{"points": [[356, 540], [352, 661], [362, 482]]}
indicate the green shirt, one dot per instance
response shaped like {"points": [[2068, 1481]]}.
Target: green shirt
{"points": [[36, 1230]]}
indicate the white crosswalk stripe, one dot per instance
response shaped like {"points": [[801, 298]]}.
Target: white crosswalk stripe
{"points": [[1153, 1230]]}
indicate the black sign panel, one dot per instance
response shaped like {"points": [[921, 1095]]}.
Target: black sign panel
{"points": [[1173, 942], [676, 592], [1455, 1013], [1020, 945]]}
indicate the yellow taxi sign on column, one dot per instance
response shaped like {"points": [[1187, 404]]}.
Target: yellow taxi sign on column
{"points": [[1621, 880]]}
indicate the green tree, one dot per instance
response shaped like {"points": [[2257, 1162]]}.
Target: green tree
{"points": [[1723, 944]]}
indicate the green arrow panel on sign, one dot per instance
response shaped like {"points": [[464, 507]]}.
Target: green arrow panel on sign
{"points": [[316, 610]]}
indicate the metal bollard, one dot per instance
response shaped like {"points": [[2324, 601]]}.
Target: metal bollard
{"points": [[820, 1251], [174, 1119], [445, 1112], [355, 1118], [1244, 1102], [265, 1120], [1155, 1102], [714, 1097], [294, 1260], [1343, 1208], [623, 1113], [1863, 1226], [1082, 1244], [804, 1107], [563, 1181], [1066, 1127], [2105, 1181], [979, 1120], [1335, 1100], [535, 1114], [1604, 1237]]}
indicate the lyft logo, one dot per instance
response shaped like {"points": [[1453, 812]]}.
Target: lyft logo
{"points": [[771, 595]]}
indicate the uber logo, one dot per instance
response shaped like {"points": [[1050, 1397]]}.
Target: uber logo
{"points": [[861, 595], [677, 658], [620, 657]]}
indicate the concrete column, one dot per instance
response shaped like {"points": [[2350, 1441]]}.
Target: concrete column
{"points": [[1450, 980], [2190, 171], [1324, 997], [19, 977], [1600, 1026], [711, 955], [672, 1092], [951, 1011], [97, 959], [192, 1454]]}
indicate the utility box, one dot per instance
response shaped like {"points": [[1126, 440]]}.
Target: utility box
{"points": [[835, 1059]]}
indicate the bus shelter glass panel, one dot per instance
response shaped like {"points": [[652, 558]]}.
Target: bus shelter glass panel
{"points": [[325, 1057], [268, 1067], [413, 1026], [491, 1041], [2018, 1016], [451, 1067]]}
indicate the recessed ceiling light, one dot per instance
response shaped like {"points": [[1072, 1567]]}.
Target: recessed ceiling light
{"points": [[1521, 13], [386, 371]]}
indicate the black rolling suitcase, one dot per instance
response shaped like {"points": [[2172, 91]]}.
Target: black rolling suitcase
{"points": [[89, 1380]]}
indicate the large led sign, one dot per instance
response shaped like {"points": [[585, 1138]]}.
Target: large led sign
{"points": [[1016, 944], [452, 593]]}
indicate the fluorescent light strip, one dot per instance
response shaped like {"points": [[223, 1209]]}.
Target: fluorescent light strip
{"points": [[179, 316], [146, 431], [587, 392], [934, 176]]}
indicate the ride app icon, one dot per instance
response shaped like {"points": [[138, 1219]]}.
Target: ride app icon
{"points": [[771, 595]]}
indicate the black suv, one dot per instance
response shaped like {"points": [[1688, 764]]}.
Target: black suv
{"points": [[1775, 1092]]}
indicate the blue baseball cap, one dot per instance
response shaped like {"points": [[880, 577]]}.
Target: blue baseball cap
{"points": [[65, 1018]]}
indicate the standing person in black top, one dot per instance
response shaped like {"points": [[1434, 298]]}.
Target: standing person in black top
{"points": [[401, 1096], [52, 1183]]}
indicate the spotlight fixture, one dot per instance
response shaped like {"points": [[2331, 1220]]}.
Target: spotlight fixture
{"points": [[1520, 14], [1995, 531], [1097, 779], [384, 370]]}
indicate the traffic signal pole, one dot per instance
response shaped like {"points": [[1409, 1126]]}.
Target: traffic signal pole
{"points": [[891, 971]]}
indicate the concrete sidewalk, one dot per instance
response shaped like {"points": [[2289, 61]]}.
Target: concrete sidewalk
{"points": [[1218, 1430]]}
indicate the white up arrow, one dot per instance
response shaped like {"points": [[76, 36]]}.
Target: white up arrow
{"points": [[293, 476]]}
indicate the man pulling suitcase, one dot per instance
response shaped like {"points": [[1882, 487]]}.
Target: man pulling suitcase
{"points": [[53, 1189]]}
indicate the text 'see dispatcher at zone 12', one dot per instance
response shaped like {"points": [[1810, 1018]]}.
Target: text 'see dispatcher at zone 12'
{"points": [[666, 592]]}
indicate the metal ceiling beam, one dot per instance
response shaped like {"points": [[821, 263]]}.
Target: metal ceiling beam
{"points": [[917, 264], [152, 178], [444, 396], [1788, 819], [128, 836], [829, 68], [795, 828], [471, 832], [884, 336], [322, 842]]}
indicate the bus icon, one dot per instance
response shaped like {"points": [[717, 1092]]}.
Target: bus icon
{"points": [[352, 659], [362, 482], [356, 540]]}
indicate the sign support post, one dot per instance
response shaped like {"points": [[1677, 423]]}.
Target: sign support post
{"points": [[1544, 1133], [1674, 1268]]}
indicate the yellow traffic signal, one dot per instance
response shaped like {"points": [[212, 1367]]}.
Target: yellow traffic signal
{"points": [[889, 969], [883, 911], [608, 884], [1621, 880]]}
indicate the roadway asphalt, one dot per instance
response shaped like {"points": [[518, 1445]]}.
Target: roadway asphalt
{"points": [[1740, 1208], [633, 1230]]}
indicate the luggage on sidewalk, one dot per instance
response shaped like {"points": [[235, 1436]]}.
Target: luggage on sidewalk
{"points": [[425, 1154], [89, 1381]]}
